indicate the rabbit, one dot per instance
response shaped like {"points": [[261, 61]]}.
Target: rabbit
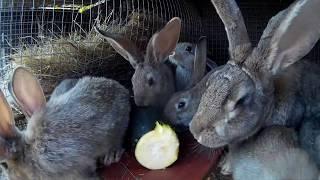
{"points": [[3, 174], [183, 105], [309, 136], [153, 80], [63, 87], [258, 87], [183, 58], [66, 136], [272, 154]]}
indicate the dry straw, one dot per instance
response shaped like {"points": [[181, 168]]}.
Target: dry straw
{"points": [[81, 53], [56, 58]]}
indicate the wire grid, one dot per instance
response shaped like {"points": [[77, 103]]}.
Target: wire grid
{"points": [[24, 22], [22, 19], [256, 16], [28, 22]]}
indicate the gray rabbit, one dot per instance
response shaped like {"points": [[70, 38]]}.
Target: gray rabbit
{"points": [[309, 136], [272, 154], [153, 80], [83, 121], [184, 59], [260, 86], [183, 105], [64, 87]]}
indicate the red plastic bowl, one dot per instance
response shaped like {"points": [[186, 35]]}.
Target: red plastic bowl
{"points": [[191, 164]]}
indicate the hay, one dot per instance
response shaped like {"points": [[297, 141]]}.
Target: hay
{"points": [[56, 58], [81, 53]]}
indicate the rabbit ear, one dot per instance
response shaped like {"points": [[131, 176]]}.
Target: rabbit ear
{"points": [[27, 91], [7, 127], [126, 48], [296, 36], [199, 68], [239, 42], [163, 43]]}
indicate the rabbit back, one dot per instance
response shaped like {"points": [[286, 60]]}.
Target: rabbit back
{"points": [[296, 94], [309, 137], [272, 154], [64, 86], [80, 125], [310, 88]]}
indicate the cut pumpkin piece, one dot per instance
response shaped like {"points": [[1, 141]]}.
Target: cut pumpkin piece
{"points": [[158, 148]]}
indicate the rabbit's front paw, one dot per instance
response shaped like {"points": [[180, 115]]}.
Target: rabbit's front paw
{"points": [[225, 164], [113, 156]]}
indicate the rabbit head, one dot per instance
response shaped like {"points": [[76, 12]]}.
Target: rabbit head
{"points": [[183, 58], [153, 80], [15, 148], [183, 105], [183, 54], [239, 97]]}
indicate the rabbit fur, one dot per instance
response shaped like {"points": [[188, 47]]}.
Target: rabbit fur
{"points": [[309, 136], [183, 105], [272, 154], [258, 86], [153, 80], [183, 58], [83, 121]]}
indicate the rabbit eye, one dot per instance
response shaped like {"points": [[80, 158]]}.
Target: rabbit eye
{"points": [[181, 105], [4, 165], [242, 101], [189, 48], [150, 81]]}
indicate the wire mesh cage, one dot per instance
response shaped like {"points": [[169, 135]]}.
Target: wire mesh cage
{"points": [[57, 26], [56, 40], [256, 16]]}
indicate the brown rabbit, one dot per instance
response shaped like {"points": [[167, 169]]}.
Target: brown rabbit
{"points": [[153, 80]]}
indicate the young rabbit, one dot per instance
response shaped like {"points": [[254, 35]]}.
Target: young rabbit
{"points": [[183, 58], [272, 154], [83, 121], [153, 80], [183, 105], [309, 136], [259, 87], [63, 87]]}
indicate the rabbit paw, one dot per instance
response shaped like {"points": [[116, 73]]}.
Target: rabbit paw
{"points": [[113, 156], [225, 165]]}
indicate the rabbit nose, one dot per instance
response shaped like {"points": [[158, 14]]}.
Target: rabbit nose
{"points": [[195, 129], [172, 54]]}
